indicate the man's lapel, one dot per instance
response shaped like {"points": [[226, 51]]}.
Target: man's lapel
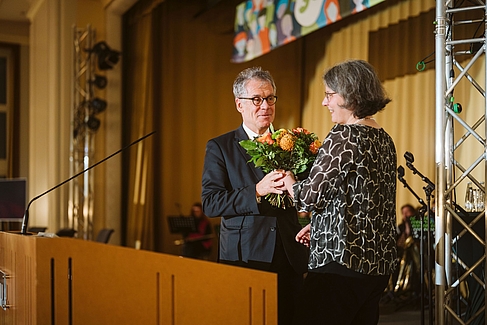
{"points": [[239, 136]]}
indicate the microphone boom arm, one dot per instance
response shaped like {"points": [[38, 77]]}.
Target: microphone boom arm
{"points": [[409, 163], [25, 220], [406, 185]]}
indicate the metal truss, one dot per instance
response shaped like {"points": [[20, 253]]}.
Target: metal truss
{"points": [[460, 271], [80, 205]]}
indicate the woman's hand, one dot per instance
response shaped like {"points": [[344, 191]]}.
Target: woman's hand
{"points": [[304, 235], [289, 181]]}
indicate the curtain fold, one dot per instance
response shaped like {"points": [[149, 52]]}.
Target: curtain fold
{"points": [[138, 121]]}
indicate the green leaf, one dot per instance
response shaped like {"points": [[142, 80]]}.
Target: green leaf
{"points": [[248, 144]]}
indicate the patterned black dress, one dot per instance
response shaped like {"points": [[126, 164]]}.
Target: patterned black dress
{"points": [[351, 192]]}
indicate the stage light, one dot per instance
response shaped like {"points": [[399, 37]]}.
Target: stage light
{"points": [[100, 81], [98, 105], [107, 58], [93, 123]]}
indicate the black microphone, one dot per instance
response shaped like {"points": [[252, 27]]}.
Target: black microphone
{"points": [[25, 220], [409, 157], [400, 172], [409, 163], [400, 176]]}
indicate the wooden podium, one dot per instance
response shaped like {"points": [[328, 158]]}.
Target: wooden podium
{"points": [[72, 281]]}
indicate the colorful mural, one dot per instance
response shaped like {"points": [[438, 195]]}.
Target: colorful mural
{"points": [[263, 25]]}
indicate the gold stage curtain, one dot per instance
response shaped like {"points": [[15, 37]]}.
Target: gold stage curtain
{"points": [[178, 57], [139, 121]]}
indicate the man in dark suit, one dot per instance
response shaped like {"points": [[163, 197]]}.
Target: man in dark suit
{"points": [[253, 234]]}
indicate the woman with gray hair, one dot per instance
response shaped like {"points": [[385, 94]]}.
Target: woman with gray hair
{"points": [[351, 194]]}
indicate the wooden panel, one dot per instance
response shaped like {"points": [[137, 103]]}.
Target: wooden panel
{"points": [[17, 259], [93, 283]]}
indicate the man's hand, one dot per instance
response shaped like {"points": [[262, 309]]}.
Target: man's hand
{"points": [[271, 183]]}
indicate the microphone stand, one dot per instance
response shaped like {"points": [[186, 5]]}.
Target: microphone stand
{"points": [[25, 221], [428, 189], [421, 249]]}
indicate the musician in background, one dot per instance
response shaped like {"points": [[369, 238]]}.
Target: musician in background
{"points": [[407, 277], [405, 229], [198, 244]]}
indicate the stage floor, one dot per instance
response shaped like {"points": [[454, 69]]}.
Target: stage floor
{"points": [[406, 316], [405, 311]]}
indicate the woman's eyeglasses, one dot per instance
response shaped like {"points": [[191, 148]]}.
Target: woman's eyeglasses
{"points": [[329, 95]]}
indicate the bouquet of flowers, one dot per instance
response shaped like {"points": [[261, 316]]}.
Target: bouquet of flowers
{"points": [[293, 150]]}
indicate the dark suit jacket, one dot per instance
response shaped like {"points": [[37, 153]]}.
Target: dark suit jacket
{"points": [[248, 229]]}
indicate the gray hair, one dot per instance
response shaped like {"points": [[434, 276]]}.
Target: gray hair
{"points": [[357, 82], [240, 83]]}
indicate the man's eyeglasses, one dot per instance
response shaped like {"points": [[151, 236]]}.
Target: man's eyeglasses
{"points": [[257, 101], [329, 95]]}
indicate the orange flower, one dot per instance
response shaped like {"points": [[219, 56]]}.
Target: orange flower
{"points": [[287, 142], [280, 134], [266, 138], [314, 146], [299, 130]]}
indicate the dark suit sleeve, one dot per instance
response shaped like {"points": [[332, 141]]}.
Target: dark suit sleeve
{"points": [[224, 191]]}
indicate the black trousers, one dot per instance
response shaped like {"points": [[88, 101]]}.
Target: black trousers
{"points": [[289, 282], [334, 299]]}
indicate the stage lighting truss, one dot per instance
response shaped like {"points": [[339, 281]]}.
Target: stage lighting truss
{"points": [[84, 117], [88, 57], [455, 58]]}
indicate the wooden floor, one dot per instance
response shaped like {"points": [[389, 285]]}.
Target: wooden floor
{"points": [[407, 311], [406, 316], [404, 311]]}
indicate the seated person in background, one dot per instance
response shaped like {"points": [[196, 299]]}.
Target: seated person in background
{"points": [[407, 276], [198, 244], [404, 229]]}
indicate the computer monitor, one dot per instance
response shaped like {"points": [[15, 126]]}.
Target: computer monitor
{"points": [[12, 198]]}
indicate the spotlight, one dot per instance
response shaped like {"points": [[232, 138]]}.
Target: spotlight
{"points": [[98, 105], [93, 123], [100, 81], [107, 58]]}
